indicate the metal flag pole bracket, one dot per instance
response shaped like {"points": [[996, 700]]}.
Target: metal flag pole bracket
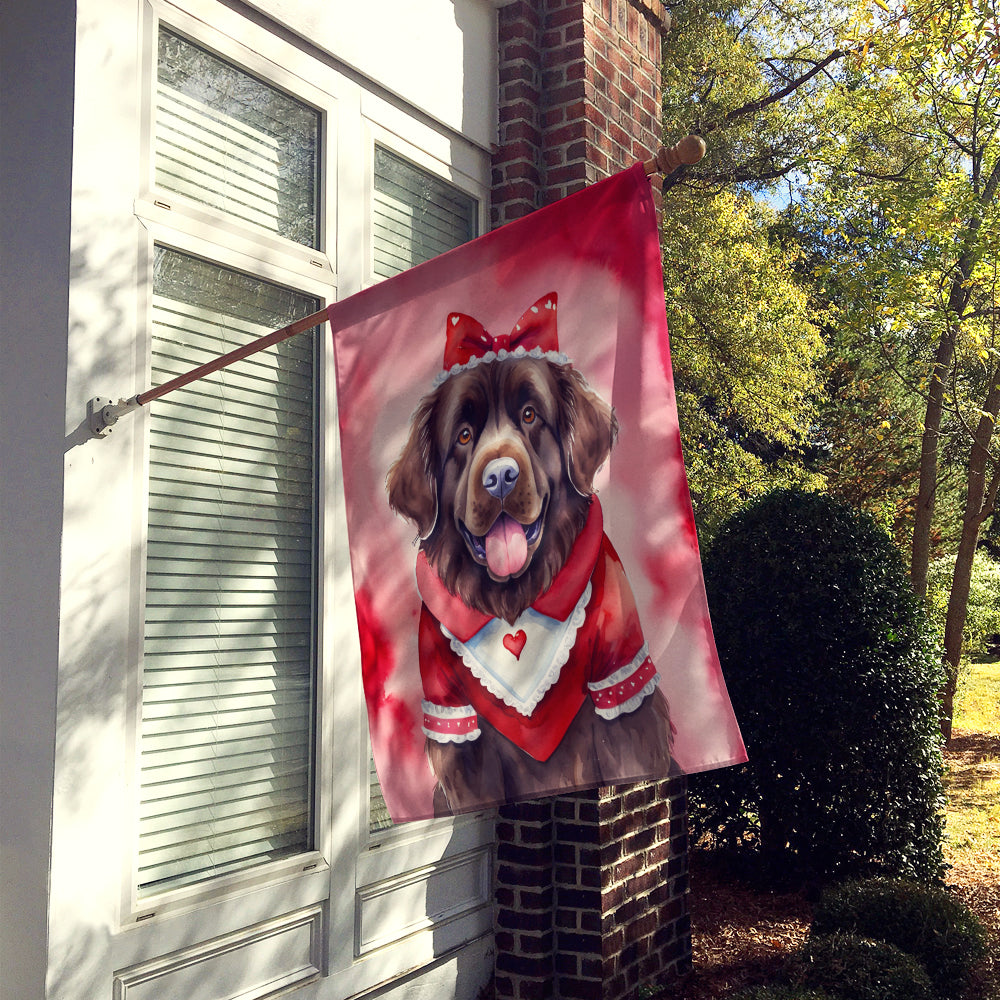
{"points": [[103, 413]]}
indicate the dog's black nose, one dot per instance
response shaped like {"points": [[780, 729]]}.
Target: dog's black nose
{"points": [[500, 476]]}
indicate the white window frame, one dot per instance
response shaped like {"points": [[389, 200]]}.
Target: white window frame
{"points": [[352, 875]]}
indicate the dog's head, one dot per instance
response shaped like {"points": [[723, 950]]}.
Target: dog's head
{"points": [[498, 472]]}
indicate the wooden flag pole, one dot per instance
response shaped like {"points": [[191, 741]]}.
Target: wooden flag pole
{"points": [[103, 413]]}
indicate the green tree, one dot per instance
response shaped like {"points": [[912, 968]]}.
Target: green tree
{"points": [[748, 357], [912, 188], [878, 120]]}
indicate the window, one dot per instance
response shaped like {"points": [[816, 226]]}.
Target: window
{"points": [[227, 707], [227, 140], [416, 215], [229, 647]]}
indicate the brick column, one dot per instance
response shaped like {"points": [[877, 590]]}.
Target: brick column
{"points": [[579, 96], [591, 889]]}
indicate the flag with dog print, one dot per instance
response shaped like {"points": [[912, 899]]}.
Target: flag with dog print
{"points": [[523, 559]]}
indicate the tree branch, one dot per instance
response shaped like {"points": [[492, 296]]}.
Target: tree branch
{"points": [[754, 106]]}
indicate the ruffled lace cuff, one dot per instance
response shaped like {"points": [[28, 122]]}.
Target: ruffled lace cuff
{"points": [[626, 689], [447, 724]]}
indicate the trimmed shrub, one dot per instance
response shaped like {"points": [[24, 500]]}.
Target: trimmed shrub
{"points": [[833, 673], [856, 968], [925, 922]]}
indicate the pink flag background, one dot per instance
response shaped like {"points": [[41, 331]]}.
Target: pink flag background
{"points": [[599, 251]]}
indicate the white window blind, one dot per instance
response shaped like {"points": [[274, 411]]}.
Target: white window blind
{"points": [[228, 140], [416, 216], [228, 660]]}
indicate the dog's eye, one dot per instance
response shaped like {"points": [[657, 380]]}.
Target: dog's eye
{"points": [[464, 435], [528, 415]]}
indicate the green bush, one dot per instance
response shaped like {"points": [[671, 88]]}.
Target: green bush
{"points": [[856, 968], [833, 673], [925, 922], [983, 612]]}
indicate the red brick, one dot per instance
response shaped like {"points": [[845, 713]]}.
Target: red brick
{"points": [[573, 988], [520, 920], [599, 96], [538, 966], [529, 899], [642, 882], [535, 989], [540, 944], [521, 130], [578, 942], [563, 54], [569, 132], [567, 964], [569, 15], [521, 111], [518, 49], [515, 875], [553, 117], [521, 93]]}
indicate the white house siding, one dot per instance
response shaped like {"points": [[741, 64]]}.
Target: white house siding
{"points": [[77, 222]]}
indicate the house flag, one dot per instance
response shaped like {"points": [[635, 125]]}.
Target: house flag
{"points": [[525, 569]]}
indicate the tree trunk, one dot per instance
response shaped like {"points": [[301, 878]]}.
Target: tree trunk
{"points": [[979, 503], [958, 299], [920, 554]]}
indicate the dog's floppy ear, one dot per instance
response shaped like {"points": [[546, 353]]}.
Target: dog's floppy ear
{"points": [[588, 432], [411, 484]]}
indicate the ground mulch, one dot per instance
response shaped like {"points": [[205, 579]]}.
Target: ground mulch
{"points": [[742, 934]]}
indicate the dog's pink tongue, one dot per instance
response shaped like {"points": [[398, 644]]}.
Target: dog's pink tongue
{"points": [[506, 546]]}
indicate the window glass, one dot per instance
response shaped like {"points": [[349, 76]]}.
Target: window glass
{"points": [[228, 674], [416, 215], [233, 142]]}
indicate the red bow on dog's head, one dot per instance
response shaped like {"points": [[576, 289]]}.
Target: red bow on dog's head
{"points": [[468, 339]]}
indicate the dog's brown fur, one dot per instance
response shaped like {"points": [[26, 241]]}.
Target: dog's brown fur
{"points": [[560, 432]]}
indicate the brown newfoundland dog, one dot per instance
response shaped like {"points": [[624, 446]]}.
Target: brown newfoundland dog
{"points": [[535, 671]]}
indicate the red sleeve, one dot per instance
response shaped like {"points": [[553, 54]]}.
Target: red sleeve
{"points": [[447, 715], [622, 674]]}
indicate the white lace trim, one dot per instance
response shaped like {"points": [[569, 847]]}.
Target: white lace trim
{"points": [[449, 712], [632, 704], [446, 711], [557, 357], [451, 737], [559, 657], [623, 673]]}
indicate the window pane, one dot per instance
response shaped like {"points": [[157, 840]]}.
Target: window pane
{"points": [[228, 656], [416, 217], [228, 140]]}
